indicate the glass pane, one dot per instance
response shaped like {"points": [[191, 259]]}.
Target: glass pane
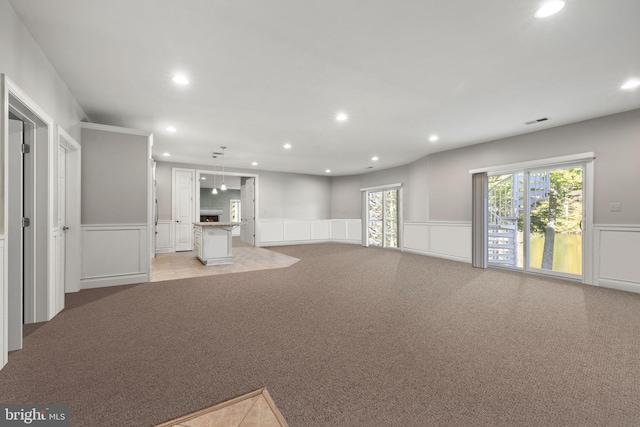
{"points": [[375, 233], [555, 240], [375, 206], [375, 213], [505, 218], [391, 219]]}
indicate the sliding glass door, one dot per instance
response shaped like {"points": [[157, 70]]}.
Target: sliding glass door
{"points": [[555, 220], [382, 218], [544, 234]]}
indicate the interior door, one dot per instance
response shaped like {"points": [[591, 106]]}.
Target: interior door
{"points": [[15, 237], [247, 196], [183, 208]]}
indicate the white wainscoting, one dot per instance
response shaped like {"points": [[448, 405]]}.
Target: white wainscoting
{"points": [[114, 254], [616, 257], [442, 239], [3, 307], [164, 238], [293, 232]]}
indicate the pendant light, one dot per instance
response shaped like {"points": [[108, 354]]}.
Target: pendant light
{"points": [[223, 187], [215, 190]]}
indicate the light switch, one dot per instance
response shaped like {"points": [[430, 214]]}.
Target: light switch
{"points": [[616, 207]]}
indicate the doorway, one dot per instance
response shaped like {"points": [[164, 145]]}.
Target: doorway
{"points": [[536, 219], [183, 204], [21, 292], [382, 217]]}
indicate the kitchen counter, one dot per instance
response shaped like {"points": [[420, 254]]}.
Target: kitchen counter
{"points": [[212, 242]]}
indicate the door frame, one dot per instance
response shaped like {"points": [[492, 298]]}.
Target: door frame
{"points": [[256, 224], [73, 236], [44, 148], [365, 212], [586, 160]]}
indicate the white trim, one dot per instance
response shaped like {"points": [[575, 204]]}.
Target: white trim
{"points": [[533, 164], [280, 232], [382, 187], [616, 227], [169, 226], [620, 285], [438, 255], [256, 195], [4, 281], [441, 239], [440, 223], [626, 275], [73, 237], [41, 267], [134, 270], [115, 129]]}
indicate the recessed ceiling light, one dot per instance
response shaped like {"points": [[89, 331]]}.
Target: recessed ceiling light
{"points": [[549, 8], [171, 129], [433, 138], [287, 145], [180, 79], [254, 164], [374, 158], [328, 171], [166, 154], [203, 178], [630, 84], [342, 117]]}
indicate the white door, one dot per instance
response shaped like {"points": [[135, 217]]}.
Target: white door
{"points": [[247, 196], [15, 240], [62, 227], [183, 208]]}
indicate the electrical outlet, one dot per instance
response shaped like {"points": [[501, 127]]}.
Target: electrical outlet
{"points": [[615, 207]]}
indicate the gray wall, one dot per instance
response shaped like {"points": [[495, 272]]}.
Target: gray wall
{"points": [[22, 60], [114, 178], [281, 195], [438, 187], [221, 200], [614, 139]]}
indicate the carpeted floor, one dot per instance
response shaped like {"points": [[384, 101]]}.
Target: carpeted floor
{"points": [[348, 336]]}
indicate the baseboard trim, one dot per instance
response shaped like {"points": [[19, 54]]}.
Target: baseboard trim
{"points": [[103, 282], [437, 255], [620, 285], [307, 242]]}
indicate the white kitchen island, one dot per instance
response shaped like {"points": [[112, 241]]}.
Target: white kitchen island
{"points": [[212, 242]]}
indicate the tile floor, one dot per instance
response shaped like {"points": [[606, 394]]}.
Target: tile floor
{"points": [[255, 409], [180, 265]]}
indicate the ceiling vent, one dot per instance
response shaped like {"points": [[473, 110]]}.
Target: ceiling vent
{"points": [[543, 119]]}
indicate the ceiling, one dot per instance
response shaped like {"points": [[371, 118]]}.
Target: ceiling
{"points": [[265, 73]]}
